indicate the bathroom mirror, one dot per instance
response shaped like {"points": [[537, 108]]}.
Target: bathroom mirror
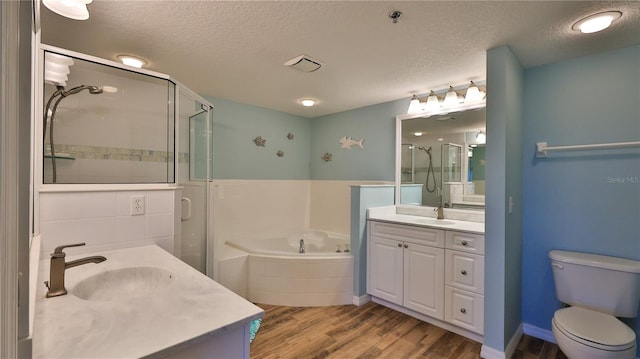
{"points": [[440, 159]]}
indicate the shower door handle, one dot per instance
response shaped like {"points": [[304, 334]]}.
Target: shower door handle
{"points": [[188, 216]]}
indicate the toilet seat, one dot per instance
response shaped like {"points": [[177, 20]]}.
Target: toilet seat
{"points": [[594, 329]]}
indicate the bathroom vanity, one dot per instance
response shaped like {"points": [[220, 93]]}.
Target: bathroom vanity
{"points": [[427, 268], [140, 302]]}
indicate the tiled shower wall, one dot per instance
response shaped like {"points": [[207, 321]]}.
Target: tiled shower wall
{"points": [[103, 221]]}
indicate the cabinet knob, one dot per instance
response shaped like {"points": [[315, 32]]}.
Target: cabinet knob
{"points": [[463, 272], [399, 245], [406, 246], [464, 243], [463, 311]]}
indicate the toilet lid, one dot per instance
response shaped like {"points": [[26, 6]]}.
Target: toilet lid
{"points": [[596, 329]]}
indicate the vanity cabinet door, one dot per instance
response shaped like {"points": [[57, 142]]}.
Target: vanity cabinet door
{"points": [[384, 269], [424, 279]]}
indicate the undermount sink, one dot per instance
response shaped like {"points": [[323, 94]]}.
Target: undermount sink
{"points": [[433, 221], [122, 284]]}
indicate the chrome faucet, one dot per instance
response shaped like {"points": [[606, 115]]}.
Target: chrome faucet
{"points": [[301, 248], [440, 209], [58, 267]]}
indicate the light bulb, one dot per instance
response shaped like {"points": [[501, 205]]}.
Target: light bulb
{"points": [[307, 102]]}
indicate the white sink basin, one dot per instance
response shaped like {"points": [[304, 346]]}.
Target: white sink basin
{"points": [[438, 222], [122, 284]]}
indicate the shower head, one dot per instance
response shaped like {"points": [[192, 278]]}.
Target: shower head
{"points": [[427, 150], [94, 90]]}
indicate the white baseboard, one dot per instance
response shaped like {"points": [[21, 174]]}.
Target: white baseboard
{"points": [[513, 343], [361, 300], [490, 353], [539, 333]]}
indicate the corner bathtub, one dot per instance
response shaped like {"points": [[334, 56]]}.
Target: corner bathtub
{"points": [[278, 275]]}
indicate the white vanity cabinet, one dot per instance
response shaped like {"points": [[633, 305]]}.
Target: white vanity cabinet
{"points": [[436, 275], [406, 266]]}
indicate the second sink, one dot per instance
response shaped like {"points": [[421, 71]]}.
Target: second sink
{"points": [[122, 284]]}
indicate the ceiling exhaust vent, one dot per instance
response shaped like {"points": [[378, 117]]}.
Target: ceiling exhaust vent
{"points": [[304, 63]]}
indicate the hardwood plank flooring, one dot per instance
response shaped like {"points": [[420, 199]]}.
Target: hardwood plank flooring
{"points": [[368, 331]]}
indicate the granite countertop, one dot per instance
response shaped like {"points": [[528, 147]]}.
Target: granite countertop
{"points": [[446, 224], [190, 309]]}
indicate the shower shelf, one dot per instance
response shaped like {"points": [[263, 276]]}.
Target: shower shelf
{"points": [[542, 148], [62, 156]]}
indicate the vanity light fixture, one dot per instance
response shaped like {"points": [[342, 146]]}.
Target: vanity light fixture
{"points": [[473, 93], [133, 61], [481, 137], [451, 98], [434, 104], [596, 22], [73, 9], [414, 104], [308, 102]]}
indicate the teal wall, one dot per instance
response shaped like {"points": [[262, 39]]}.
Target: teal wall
{"points": [[363, 197], [235, 125], [376, 124], [235, 155], [503, 228], [587, 201]]}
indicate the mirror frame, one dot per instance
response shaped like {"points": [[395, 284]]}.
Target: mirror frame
{"points": [[422, 114]]}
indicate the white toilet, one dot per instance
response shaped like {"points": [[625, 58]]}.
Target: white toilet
{"points": [[599, 289]]}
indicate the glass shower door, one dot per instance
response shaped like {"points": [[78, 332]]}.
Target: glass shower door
{"points": [[194, 167]]}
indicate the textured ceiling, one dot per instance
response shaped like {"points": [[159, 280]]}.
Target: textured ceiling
{"points": [[236, 49]]}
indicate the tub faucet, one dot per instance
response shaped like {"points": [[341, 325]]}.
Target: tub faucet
{"points": [[58, 267], [301, 248]]}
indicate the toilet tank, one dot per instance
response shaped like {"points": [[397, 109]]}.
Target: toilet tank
{"points": [[605, 284]]}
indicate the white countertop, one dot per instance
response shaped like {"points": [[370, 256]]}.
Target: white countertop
{"points": [[189, 310], [447, 224]]}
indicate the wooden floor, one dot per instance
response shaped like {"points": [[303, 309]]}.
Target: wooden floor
{"points": [[368, 331]]}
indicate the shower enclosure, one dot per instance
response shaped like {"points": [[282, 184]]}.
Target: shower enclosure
{"points": [[110, 127]]}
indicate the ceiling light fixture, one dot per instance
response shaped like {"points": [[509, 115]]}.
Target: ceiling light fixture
{"points": [[596, 22], [133, 61], [308, 102], [73, 9], [451, 101], [417, 134]]}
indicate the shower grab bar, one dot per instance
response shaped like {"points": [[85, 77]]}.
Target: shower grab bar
{"points": [[542, 147]]}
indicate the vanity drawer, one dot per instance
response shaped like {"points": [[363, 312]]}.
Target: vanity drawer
{"points": [[464, 309], [464, 270], [408, 233], [467, 242]]}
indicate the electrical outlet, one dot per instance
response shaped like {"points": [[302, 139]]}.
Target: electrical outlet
{"points": [[137, 205]]}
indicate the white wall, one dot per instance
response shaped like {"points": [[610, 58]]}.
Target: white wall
{"points": [[102, 220]]}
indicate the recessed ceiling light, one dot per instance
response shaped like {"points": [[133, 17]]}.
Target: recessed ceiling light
{"points": [[417, 134], [132, 61], [308, 102], [596, 22]]}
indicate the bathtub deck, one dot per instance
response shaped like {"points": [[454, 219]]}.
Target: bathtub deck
{"points": [[368, 331]]}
